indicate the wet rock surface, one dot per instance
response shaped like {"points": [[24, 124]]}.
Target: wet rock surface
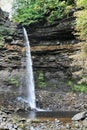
{"points": [[14, 122], [54, 62], [80, 116], [56, 101]]}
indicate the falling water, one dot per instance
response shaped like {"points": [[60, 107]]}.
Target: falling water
{"points": [[29, 74]]}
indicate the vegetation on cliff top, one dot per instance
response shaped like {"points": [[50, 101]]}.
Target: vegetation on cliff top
{"points": [[81, 21], [27, 12], [33, 11]]}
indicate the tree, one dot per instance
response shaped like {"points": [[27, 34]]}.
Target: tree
{"points": [[30, 11], [81, 20]]}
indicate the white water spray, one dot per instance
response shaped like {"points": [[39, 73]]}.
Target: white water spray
{"points": [[29, 74]]}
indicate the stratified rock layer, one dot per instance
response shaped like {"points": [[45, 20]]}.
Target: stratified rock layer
{"points": [[56, 63], [60, 30]]}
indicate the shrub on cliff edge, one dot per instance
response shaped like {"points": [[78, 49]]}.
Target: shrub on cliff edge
{"points": [[81, 20], [27, 12]]}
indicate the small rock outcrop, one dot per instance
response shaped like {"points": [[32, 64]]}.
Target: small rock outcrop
{"points": [[3, 16], [80, 116]]}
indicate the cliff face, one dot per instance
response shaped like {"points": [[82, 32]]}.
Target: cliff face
{"points": [[56, 58], [61, 30], [10, 54], [3, 16]]}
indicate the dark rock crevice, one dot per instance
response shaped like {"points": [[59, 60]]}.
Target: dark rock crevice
{"points": [[61, 30]]}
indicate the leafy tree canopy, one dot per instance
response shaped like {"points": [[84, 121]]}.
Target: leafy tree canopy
{"points": [[81, 3], [30, 11], [81, 21]]}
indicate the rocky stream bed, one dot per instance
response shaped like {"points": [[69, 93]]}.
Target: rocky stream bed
{"points": [[14, 122], [14, 113]]}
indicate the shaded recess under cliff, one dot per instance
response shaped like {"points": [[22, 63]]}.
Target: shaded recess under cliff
{"points": [[61, 30]]}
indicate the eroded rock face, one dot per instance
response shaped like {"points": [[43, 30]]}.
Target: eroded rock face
{"points": [[51, 63], [10, 54], [60, 30], [3, 16], [54, 62]]}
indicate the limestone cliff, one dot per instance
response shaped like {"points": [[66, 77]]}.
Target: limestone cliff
{"points": [[61, 30], [10, 53], [57, 58]]}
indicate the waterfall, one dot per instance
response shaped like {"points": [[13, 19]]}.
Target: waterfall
{"points": [[29, 74]]}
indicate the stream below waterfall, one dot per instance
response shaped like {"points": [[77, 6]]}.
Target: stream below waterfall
{"points": [[45, 120], [64, 116]]}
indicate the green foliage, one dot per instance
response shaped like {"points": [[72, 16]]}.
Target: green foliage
{"points": [[58, 13], [80, 88], [41, 80], [70, 83], [1, 38], [33, 11], [1, 43], [3, 32], [81, 3], [13, 81], [81, 26], [81, 21], [27, 12], [84, 50], [70, 2]]}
